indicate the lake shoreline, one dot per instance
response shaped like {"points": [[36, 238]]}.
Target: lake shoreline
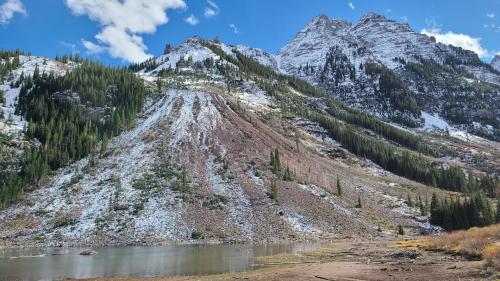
{"points": [[173, 260], [9, 244], [349, 261]]}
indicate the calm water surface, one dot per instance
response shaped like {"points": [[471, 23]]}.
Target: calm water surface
{"points": [[60, 263]]}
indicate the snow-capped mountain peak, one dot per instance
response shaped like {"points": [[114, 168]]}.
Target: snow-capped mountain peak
{"points": [[324, 22], [332, 54], [372, 16], [312, 43]]}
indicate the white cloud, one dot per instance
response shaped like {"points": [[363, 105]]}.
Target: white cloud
{"points": [[351, 5], [9, 8], [209, 12], [491, 16], [123, 22], [212, 10], [92, 48], [493, 27], [457, 39], [213, 4], [192, 20], [404, 18], [234, 28]]}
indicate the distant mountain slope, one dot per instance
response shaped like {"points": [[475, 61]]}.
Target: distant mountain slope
{"points": [[408, 72]]}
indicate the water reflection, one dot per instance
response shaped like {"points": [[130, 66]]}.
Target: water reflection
{"points": [[49, 264]]}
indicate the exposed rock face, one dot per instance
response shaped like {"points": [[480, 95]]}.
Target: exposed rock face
{"points": [[312, 43], [496, 62]]}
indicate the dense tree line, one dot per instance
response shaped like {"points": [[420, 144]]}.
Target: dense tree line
{"points": [[67, 58], [5, 54], [147, 65], [393, 88], [69, 116], [454, 214], [399, 161], [383, 129]]}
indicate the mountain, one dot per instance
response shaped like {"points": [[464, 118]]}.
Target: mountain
{"points": [[219, 143], [385, 68], [197, 160]]}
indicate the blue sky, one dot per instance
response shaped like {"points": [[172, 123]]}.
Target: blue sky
{"points": [[120, 31]]}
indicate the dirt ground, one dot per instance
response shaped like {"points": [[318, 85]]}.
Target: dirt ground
{"points": [[355, 261]]}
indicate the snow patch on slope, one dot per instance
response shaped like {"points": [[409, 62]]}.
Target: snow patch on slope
{"points": [[14, 124], [297, 223], [433, 122]]}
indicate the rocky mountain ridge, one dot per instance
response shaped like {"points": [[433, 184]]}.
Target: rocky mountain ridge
{"points": [[427, 76]]}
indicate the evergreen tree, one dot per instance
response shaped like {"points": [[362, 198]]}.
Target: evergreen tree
{"points": [[359, 205], [288, 175], [339, 187], [274, 191], [421, 206], [183, 183], [104, 145], [409, 201], [436, 216], [401, 230], [498, 210], [275, 162], [36, 73]]}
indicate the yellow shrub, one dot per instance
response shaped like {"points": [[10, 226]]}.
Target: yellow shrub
{"points": [[476, 242], [491, 255]]}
